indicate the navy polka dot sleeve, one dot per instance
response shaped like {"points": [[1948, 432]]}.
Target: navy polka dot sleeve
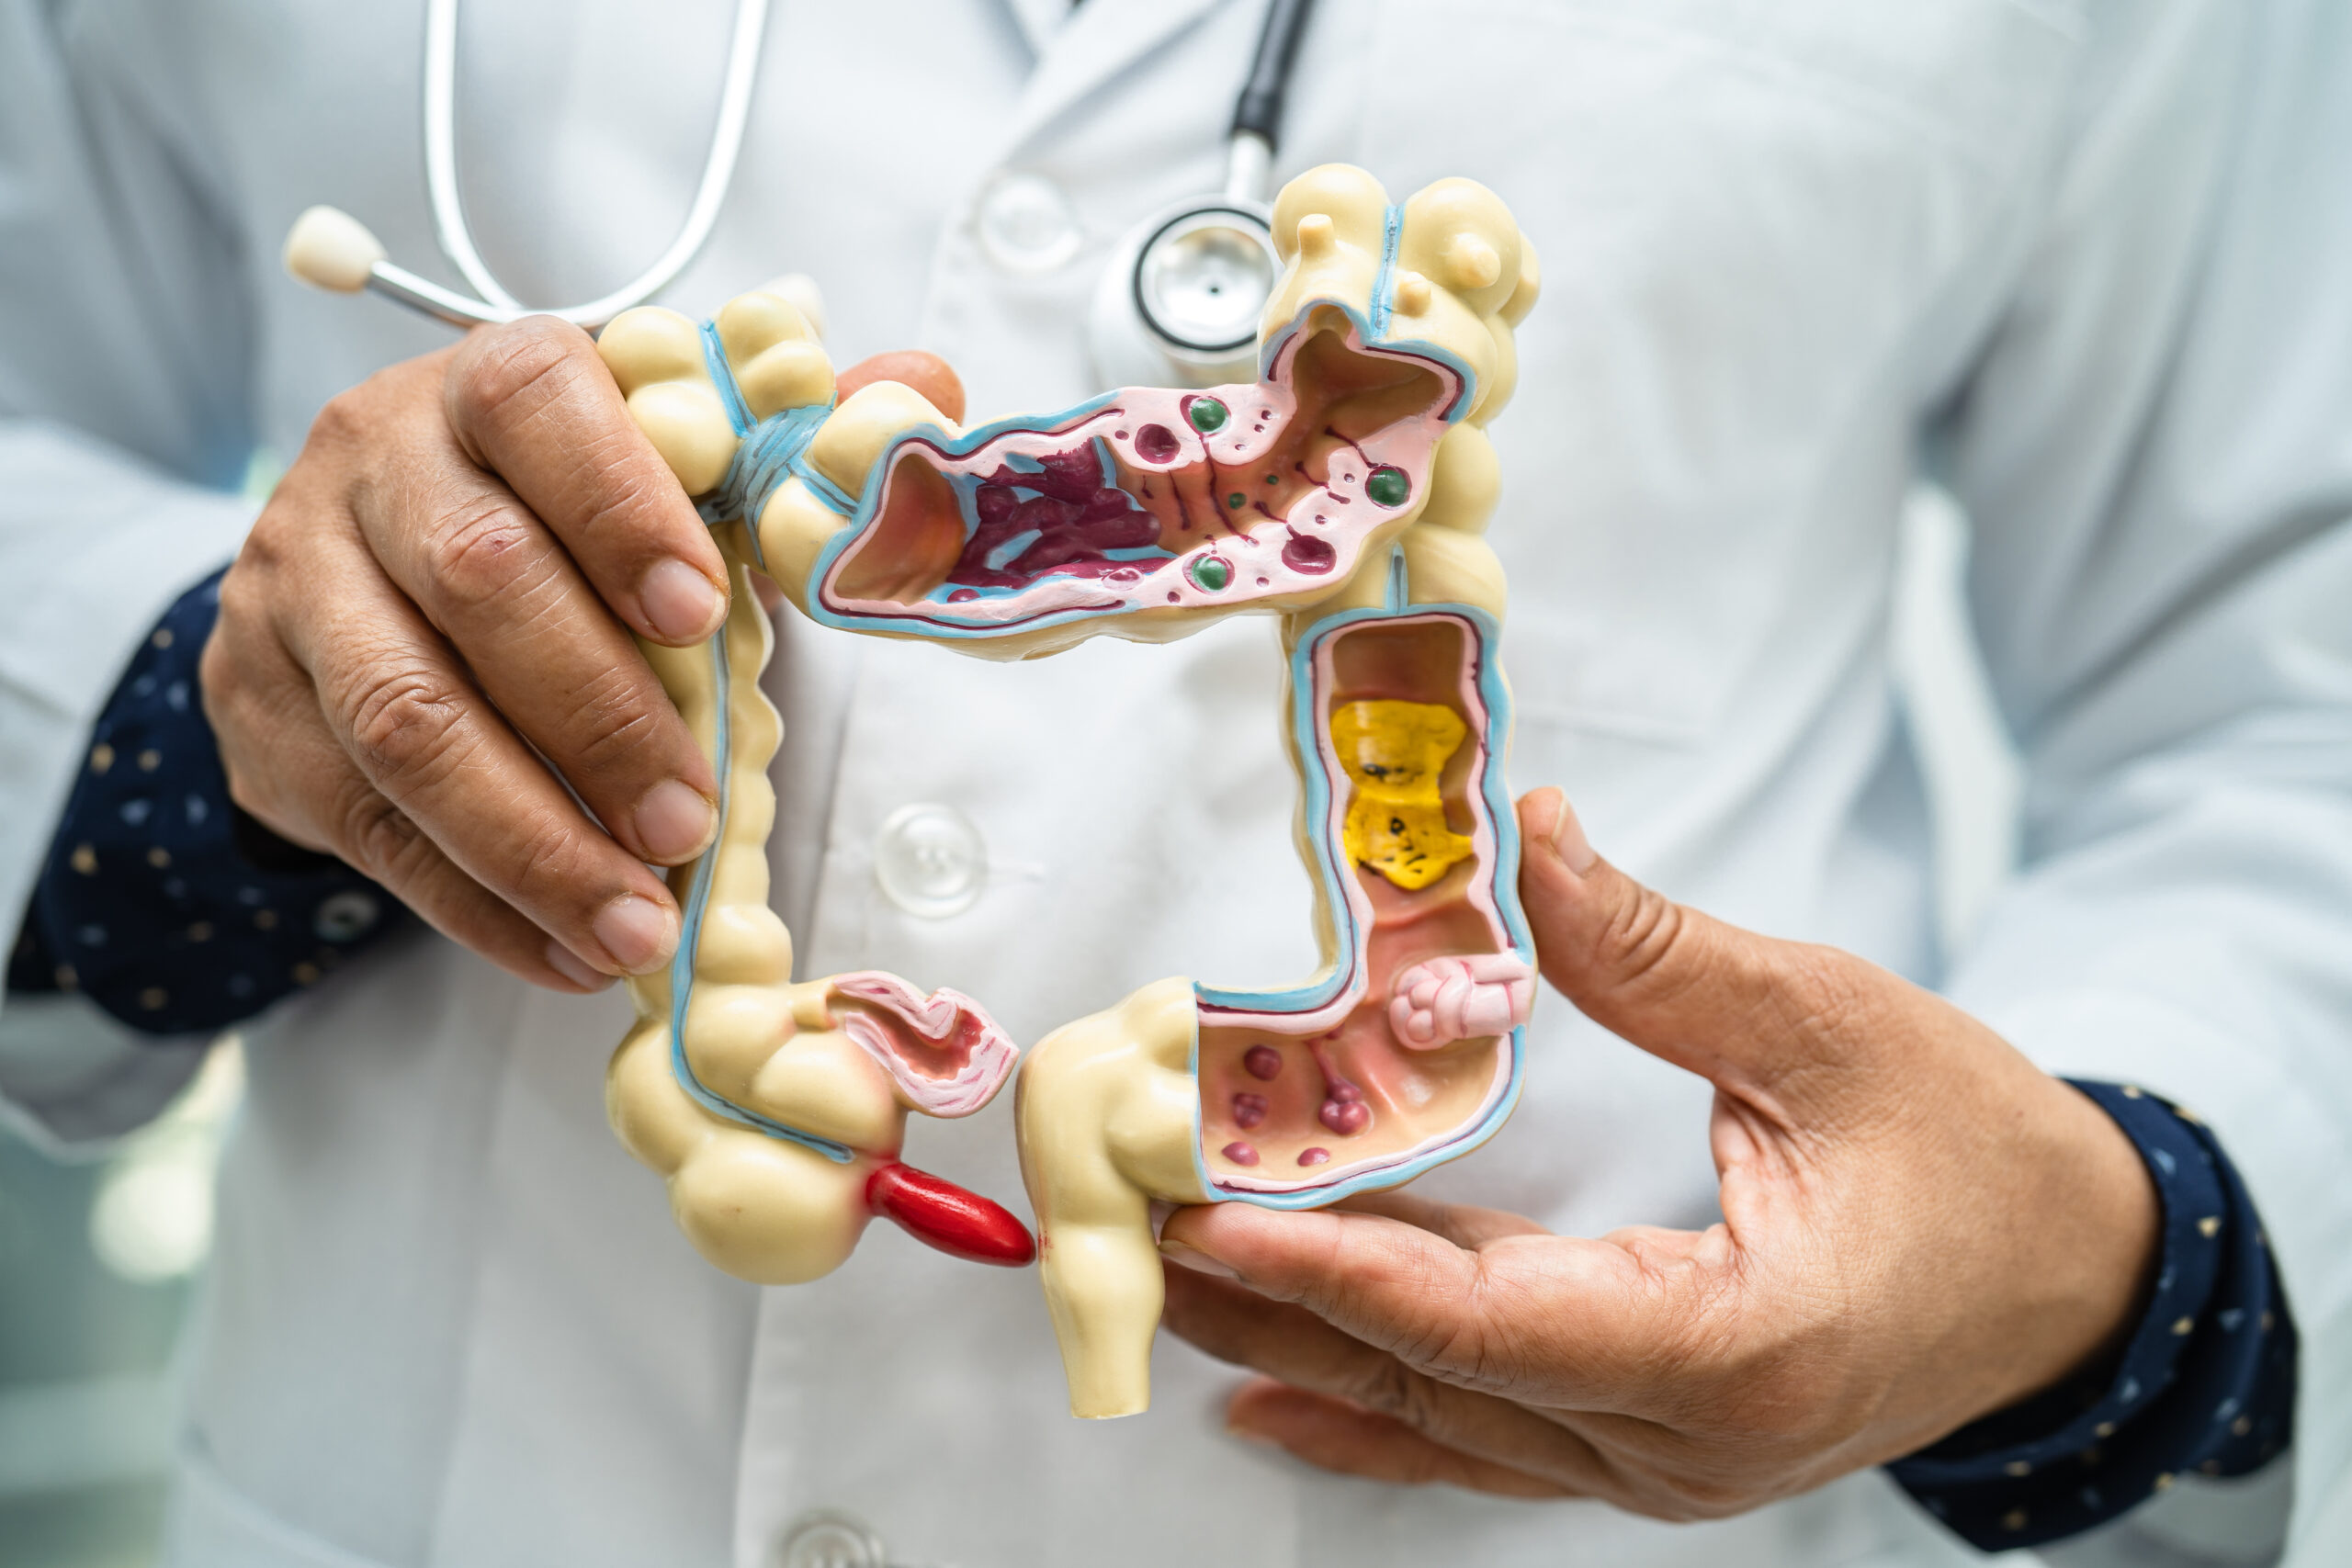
{"points": [[2206, 1383], [160, 901]]}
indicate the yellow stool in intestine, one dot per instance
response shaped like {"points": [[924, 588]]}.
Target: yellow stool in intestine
{"points": [[1395, 754], [1345, 491]]}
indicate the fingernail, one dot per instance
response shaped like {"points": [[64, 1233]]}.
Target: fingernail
{"points": [[673, 820], [635, 932], [1193, 1258], [575, 969], [1569, 841], [680, 602]]}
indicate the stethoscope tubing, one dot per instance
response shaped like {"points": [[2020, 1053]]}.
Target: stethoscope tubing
{"points": [[1255, 126], [495, 303]]}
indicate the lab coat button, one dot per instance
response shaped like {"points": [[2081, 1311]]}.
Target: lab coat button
{"points": [[344, 916], [828, 1539], [1026, 224], [930, 860]]}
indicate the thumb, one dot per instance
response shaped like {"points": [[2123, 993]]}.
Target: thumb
{"points": [[1742, 1010]]}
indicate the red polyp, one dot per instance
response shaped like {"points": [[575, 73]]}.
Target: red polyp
{"points": [[1345, 1117], [1308, 555], [939, 1214], [1343, 1109], [1262, 1062], [1248, 1110], [1241, 1153], [1156, 443]]}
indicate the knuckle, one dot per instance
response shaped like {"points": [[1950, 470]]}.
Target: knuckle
{"points": [[612, 729], [243, 599], [238, 708], [343, 419], [1641, 935], [248, 794], [1471, 1352], [1388, 1386], [404, 726], [377, 837], [484, 554], [218, 673], [546, 858], [513, 369], [283, 536], [358, 417]]}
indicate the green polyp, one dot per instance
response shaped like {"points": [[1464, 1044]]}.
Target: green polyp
{"points": [[1235, 500], [1206, 415], [1212, 573], [1388, 486]]}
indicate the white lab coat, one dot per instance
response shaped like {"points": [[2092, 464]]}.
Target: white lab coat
{"points": [[2095, 258]]}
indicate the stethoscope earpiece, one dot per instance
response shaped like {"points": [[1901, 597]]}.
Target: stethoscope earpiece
{"points": [[1179, 302], [330, 249]]}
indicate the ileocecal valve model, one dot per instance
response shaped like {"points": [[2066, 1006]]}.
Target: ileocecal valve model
{"points": [[1344, 491]]}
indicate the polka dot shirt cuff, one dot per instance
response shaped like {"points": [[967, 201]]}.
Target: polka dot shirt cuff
{"points": [[2206, 1384], [159, 900]]}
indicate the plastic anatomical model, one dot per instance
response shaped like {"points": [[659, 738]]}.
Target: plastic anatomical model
{"points": [[1345, 490], [776, 1111]]}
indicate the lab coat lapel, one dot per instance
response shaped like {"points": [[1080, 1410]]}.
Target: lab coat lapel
{"points": [[1040, 20], [1102, 39]]}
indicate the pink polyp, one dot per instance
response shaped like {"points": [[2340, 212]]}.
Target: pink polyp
{"points": [[1462, 997], [1345, 1117]]}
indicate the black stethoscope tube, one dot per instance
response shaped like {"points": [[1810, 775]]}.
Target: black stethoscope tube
{"points": [[1258, 110]]}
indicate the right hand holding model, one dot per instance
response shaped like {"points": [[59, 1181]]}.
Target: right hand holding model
{"points": [[447, 578]]}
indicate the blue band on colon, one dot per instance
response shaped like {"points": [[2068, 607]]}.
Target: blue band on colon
{"points": [[769, 452]]}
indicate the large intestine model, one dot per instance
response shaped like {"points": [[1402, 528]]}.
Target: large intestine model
{"points": [[1345, 491]]}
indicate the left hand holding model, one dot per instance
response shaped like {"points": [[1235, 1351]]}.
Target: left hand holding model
{"points": [[1920, 1228]]}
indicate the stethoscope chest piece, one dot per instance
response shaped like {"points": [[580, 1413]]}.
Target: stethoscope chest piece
{"points": [[1183, 295], [1181, 298]]}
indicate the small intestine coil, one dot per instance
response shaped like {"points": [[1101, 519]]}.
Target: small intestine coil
{"points": [[1345, 491]]}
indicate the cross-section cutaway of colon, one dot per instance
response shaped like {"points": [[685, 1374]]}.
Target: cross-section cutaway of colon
{"points": [[1345, 491]]}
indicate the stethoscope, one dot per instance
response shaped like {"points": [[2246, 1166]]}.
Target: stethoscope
{"points": [[1180, 299], [1181, 296]]}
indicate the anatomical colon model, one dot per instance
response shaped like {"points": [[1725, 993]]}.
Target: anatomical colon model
{"points": [[1344, 492]]}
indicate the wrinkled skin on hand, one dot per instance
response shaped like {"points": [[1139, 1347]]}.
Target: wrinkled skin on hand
{"points": [[1920, 1227], [451, 573], [447, 577]]}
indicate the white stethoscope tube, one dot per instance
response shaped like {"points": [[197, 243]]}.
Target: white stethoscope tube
{"points": [[1181, 298], [330, 248]]}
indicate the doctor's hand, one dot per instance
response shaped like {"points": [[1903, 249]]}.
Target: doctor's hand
{"points": [[1920, 1228], [444, 582]]}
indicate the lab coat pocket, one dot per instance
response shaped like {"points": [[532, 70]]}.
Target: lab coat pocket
{"points": [[1750, 218]]}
